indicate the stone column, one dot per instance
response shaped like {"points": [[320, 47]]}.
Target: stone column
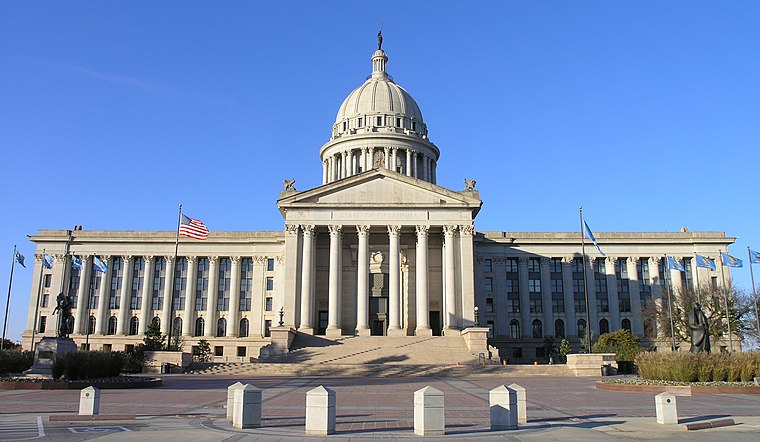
{"points": [[147, 294], [344, 164], [330, 169], [188, 327], [394, 158], [591, 284], [421, 274], [166, 313], [126, 285], [352, 162], [637, 326], [233, 320], [433, 169], [609, 270], [394, 281], [333, 315], [288, 295], [101, 323], [567, 288], [368, 159], [408, 168], [546, 296], [415, 172], [83, 294], [467, 271], [307, 278], [362, 282], [526, 328], [210, 329], [449, 319]]}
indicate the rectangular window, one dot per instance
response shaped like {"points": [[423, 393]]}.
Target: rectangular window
{"points": [[536, 304], [241, 352], [488, 265], [511, 265], [687, 276], [555, 265], [558, 303], [601, 284], [714, 282], [268, 304], [270, 283], [95, 292], [180, 284], [223, 285], [46, 280], [218, 350], [580, 302], [488, 284], [489, 305], [398, 122], [534, 265], [114, 298], [135, 298], [534, 285], [246, 284], [491, 327], [602, 303], [577, 265], [642, 269], [379, 121], [45, 300], [513, 302], [74, 275], [578, 286], [201, 285], [557, 286], [270, 265], [267, 328], [42, 325], [159, 278]]}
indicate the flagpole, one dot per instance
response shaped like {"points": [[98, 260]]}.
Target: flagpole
{"points": [[171, 307], [670, 303], [585, 283], [754, 290], [696, 277], [37, 304], [725, 300], [8, 301]]}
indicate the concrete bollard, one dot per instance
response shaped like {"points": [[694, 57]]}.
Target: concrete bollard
{"points": [[247, 408], [320, 411], [665, 406], [89, 401], [428, 412], [231, 399], [503, 407], [522, 404]]}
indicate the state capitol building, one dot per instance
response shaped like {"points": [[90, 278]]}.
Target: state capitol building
{"points": [[379, 249]]}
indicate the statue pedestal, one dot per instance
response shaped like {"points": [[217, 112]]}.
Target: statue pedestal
{"points": [[44, 355]]}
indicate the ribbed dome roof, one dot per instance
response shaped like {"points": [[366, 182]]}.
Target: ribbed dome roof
{"points": [[379, 95]]}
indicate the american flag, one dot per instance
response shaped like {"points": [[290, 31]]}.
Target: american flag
{"points": [[192, 228]]}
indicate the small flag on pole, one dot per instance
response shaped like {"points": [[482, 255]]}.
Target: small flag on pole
{"points": [[590, 236], [100, 265], [675, 264], [20, 259], [76, 263], [192, 228], [47, 261], [705, 262], [730, 261], [755, 256]]}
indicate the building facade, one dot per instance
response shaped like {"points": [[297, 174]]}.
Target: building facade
{"points": [[378, 249]]}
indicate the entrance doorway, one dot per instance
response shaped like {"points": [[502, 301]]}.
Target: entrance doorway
{"points": [[435, 322], [378, 304], [322, 323]]}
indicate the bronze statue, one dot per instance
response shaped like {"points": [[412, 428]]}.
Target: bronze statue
{"points": [[63, 308], [289, 184], [380, 41], [700, 329], [469, 184]]}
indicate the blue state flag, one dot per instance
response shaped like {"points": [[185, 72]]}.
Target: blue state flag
{"points": [[730, 261], [675, 264], [100, 265], [590, 236], [47, 261], [706, 262], [76, 263], [20, 259], [754, 256]]}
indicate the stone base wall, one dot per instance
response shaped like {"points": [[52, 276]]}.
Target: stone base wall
{"points": [[590, 364]]}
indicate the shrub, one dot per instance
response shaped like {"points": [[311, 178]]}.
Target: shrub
{"points": [[88, 365], [624, 344], [702, 367], [15, 361], [134, 360]]}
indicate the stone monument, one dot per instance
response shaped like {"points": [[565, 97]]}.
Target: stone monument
{"points": [[48, 348], [700, 329]]}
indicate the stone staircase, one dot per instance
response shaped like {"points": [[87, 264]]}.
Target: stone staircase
{"points": [[376, 356]]}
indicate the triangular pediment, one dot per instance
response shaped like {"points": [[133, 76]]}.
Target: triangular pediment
{"points": [[380, 188]]}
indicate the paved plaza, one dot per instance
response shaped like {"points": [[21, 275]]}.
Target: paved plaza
{"points": [[190, 407]]}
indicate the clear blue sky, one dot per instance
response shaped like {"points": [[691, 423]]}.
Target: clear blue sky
{"points": [[111, 113]]}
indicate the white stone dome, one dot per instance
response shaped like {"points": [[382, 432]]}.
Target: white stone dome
{"points": [[379, 103]]}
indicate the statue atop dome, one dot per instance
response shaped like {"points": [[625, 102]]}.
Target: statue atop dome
{"points": [[380, 40]]}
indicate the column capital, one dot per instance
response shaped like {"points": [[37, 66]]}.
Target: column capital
{"points": [[545, 261], [59, 257], [169, 259], [654, 260], [466, 229], [394, 230], [612, 259], [191, 259], [148, 259], [308, 229], [259, 259], [568, 259], [422, 229], [127, 258], [234, 259], [634, 259], [362, 230], [213, 259], [522, 261], [449, 229], [335, 230], [291, 229], [279, 259]]}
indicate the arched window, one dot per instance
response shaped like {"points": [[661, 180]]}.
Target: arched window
{"points": [[133, 325], [514, 329], [559, 328], [156, 321], [177, 327], [200, 325], [581, 328], [538, 329], [91, 325], [604, 326], [111, 326], [243, 328], [626, 324], [221, 328]]}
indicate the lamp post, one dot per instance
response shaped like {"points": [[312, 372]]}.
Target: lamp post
{"points": [[477, 316]]}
